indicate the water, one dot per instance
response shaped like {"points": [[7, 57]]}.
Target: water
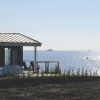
{"points": [[69, 59]]}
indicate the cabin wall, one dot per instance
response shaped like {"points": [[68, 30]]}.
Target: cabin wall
{"points": [[2, 56], [15, 55]]}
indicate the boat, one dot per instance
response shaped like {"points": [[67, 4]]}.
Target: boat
{"points": [[49, 50], [89, 50]]}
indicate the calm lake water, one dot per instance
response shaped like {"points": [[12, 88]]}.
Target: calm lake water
{"points": [[68, 59]]}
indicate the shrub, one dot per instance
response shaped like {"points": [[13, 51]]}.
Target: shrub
{"points": [[57, 70]]}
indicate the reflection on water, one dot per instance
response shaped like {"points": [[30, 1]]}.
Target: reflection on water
{"points": [[69, 59]]}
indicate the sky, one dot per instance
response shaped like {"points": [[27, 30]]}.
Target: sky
{"points": [[57, 24]]}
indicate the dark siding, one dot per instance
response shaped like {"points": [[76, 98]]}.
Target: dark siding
{"points": [[2, 54]]}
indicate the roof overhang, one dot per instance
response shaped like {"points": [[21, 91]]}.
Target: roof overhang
{"points": [[19, 44], [17, 39]]}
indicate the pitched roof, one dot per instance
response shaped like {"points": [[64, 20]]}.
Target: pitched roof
{"points": [[17, 39]]}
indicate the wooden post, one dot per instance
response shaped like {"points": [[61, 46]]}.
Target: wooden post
{"points": [[35, 58], [58, 63], [22, 56], [47, 66]]}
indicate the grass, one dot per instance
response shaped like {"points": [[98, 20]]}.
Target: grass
{"points": [[55, 72]]}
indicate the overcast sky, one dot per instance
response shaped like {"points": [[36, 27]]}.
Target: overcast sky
{"points": [[58, 24]]}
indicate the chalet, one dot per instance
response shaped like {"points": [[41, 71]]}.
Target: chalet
{"points": [[11, 48]]}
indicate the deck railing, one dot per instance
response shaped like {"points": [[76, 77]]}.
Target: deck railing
{"points": [[39, 65], [47, 63]]}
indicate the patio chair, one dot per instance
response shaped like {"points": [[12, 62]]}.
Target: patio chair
{"points": [[32, 65], [24, 64]]}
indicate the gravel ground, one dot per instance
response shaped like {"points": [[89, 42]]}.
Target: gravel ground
{"points": [[64, 91]]}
